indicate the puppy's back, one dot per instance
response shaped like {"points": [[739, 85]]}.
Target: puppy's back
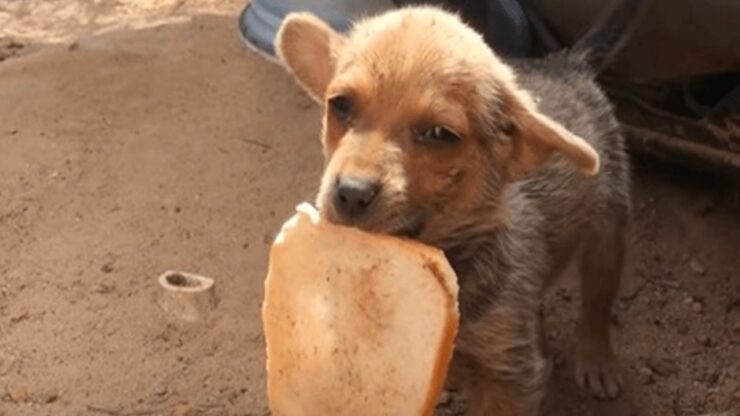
{"points": [[564, 88]]}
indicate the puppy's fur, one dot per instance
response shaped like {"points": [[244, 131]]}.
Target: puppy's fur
{"points": [[529, 172]]}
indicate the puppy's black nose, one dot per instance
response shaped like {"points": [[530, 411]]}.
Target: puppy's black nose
{"points": [[353, 196]]}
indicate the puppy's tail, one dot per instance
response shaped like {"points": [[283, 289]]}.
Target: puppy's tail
{"points": [[601, 43]]}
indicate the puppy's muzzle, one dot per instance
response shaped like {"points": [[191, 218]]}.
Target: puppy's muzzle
{"points": [[353, 197]]}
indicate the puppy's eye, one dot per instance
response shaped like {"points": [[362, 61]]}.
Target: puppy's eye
{"points": [[438, 135], [342, 107]]}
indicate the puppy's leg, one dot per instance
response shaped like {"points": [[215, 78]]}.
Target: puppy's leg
{"points": [[506, 371], [601, 267]]}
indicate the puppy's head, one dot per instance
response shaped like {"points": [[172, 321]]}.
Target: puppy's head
{"points": [[423, 125]]}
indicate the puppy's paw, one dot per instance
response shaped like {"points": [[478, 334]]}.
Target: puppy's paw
{"points": [[597, 373]]}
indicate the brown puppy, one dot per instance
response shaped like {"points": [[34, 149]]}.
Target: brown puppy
{"points": [[428, 134]]}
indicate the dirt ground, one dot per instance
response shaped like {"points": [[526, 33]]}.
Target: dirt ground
{"points": [[168, 145]]}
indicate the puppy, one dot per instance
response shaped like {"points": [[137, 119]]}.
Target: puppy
{"points": [[427, 134]]}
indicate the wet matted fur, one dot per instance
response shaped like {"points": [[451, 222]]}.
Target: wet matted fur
{"points": [[513, 169]]}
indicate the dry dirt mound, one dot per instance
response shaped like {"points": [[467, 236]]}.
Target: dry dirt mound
{"points": [[128, 154], [66, 20]]}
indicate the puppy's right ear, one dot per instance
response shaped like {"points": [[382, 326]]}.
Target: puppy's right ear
{"points": [[308, 46]]}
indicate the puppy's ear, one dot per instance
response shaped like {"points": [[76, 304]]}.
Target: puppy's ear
{"points": [[307, 46], [536, 137]]}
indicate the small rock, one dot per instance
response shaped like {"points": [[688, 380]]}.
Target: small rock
{"points": [[162, 391], [565, 295], [704, 340], [713, 376], [669, 283], [697, 267], [184, 410], [46, 396], [646, 375], [697, 307], [107, 268], [104, 288], [663, 367], [18, 393], [19, 318], [632, 286], [736, 396]]}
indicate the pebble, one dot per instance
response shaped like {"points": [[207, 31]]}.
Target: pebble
{"points": [[104, 288], [713, 376], [267, 239], [669, 283], [697, 267], [697, 307], [632, 286], [736, 396], [663, 367], [184, 410], [704, 340], [18, 393], [646, 375], [45, 396], [106, 268], [19, 318]]}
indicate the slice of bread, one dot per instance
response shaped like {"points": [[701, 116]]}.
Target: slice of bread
{"points": [[355, 323]]}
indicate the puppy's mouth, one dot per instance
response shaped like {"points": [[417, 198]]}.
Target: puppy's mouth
{"points": [[413, 230]]}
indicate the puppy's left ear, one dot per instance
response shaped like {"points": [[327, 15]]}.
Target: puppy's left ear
{"points": [[308, 46], [536, 137]]}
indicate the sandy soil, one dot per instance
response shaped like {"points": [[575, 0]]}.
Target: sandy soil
{"points": [[171, 146]]}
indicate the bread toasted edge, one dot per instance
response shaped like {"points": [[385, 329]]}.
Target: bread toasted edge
{"points": [[448, 281]]}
